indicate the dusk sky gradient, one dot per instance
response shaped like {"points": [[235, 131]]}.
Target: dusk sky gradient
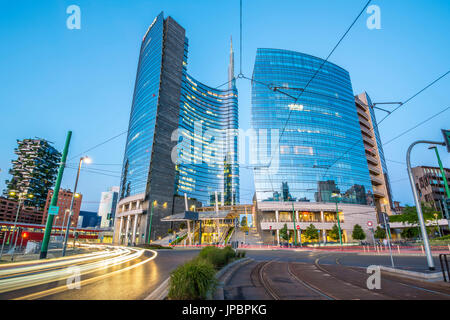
{"points": [[53, 79]]}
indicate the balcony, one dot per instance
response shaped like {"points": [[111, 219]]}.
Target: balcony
{"points": [[366, 132], [372, 160], [366, 123], [374, 170], [376, 181], [378, 193], [368, 141]]}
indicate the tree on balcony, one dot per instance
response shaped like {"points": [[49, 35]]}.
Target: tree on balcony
{"points": [[409, 216]]}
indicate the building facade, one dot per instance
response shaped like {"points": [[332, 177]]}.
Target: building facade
{"points": [[374, 153], [63, 202], [182, 138], [107, 207], [430, 185], [308, 147], [8, 211], [34, 171]]}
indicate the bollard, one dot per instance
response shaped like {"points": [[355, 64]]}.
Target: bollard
{"points": [[422, 250], [449, 247], [398, 248]]}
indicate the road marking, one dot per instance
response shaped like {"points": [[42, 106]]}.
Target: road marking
{"points": [[160, 292]]}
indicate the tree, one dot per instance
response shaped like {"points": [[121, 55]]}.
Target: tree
{"points": [[380, 233], [334, 233], [409, 215], [410, 233], [182, 225], [358, 233], [244, 222], [284, 233], [311, 233]]}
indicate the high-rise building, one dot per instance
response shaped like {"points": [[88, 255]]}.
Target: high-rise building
{"points": [[430, 185], [34, 171], [107, 207], [308, 152], [182, 138], [63, 202], [374, 154], [312, 144]]}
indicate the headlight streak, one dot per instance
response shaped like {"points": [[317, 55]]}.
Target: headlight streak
{"points": [[121, 255]]}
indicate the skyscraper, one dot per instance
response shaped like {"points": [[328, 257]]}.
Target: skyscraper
{"points": [[107, 207], [309, 160], [34, 171], [182, 138], [313, 144]]}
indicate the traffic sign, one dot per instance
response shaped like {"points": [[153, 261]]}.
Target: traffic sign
{"points": [[53, 210], [298, 227], [446, 134], [370, 224], [270, 227]]}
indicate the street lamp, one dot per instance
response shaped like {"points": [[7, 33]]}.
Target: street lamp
{"points": [[338, 196], [22, 196], [87, 160]]}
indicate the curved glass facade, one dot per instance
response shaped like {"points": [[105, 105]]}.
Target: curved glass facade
{"points": [[199, 134], [321, 150], [141, 128], [208, 141]]}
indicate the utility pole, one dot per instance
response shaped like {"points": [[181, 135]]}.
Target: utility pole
{"points": [[334, 195], [66, 236], [426, 242], [295, 227], [53, 202]]}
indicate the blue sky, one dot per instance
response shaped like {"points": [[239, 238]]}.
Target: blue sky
{"points": [[53, 79]]}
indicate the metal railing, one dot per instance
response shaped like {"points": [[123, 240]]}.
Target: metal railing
{"points": [[444, 266]]}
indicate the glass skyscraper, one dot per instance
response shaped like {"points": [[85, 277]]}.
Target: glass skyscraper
{"points": [[182, 137], [306, 149]]}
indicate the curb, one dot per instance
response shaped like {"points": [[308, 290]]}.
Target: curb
{"points": [[226, 273], [161, 292], [436, 276]]}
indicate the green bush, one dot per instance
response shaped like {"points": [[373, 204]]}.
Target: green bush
{"points": [[218, 257], [192, 280]]}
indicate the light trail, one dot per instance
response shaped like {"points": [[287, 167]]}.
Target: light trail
{"points": [[20, 278]]}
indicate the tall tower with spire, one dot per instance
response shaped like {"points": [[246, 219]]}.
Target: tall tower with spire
{"points": [[231, 79]]}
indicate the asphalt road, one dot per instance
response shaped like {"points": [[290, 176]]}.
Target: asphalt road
{"points": [[125, 274], [290, 275]]}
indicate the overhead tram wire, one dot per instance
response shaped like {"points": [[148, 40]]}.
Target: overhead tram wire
{"points": [[98, 145], [416, 126], [414, 96]]}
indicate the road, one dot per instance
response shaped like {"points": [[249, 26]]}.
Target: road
{"points": [[113, 273], [290, 275]]}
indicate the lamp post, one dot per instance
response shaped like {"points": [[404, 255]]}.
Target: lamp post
{"points": [[21, 197], [423, 229], [337, 196], [74, 195]]}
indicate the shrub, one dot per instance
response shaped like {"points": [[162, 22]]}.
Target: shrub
{"points": [[192, 280], [218, 257]]}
